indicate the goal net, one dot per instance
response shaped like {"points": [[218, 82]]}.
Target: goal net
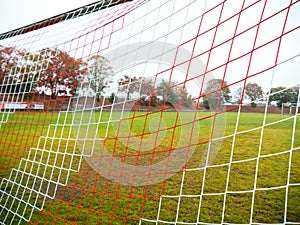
{"points": [[153, 112]]}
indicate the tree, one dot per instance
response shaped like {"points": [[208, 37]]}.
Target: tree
{"points": [[288, 95], [129, 85], [49, 71], [174, 94], [136, 84], [99, 75], [185, 97], [238, 94], [216, 93], [147, 87], [112, 97], [60, 72], [169, 92], [254, 92], [8, 59], [17, 73]]}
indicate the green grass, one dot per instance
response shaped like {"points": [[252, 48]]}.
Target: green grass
{"points": [[146, 139]]}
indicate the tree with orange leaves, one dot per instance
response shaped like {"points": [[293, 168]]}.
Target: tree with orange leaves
{"points": [[60, 72], [22, 71]]}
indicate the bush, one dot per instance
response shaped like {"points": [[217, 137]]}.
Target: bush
{"points": [[112, 97], [206, 104], [153, 101]]}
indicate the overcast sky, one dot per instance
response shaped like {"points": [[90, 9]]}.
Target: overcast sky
{"points": [[16, 13]]}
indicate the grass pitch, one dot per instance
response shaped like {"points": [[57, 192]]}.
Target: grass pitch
{"points": [[250, 174]]}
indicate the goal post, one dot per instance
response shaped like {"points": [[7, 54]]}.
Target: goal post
{"points": [[289, 100], [152, 112]]}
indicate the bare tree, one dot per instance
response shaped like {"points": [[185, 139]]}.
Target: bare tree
{"points": [[146, 86], [216, 93], [99, 74], [238, 94], [254, 92], [130, 85]]}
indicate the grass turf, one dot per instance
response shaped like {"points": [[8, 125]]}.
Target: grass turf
{"points": [[254, 157]]}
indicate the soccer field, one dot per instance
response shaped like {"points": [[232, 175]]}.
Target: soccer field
{"points": [[250, 175]]}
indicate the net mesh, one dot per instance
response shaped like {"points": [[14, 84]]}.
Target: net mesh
{"points": [[152, 112]]}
